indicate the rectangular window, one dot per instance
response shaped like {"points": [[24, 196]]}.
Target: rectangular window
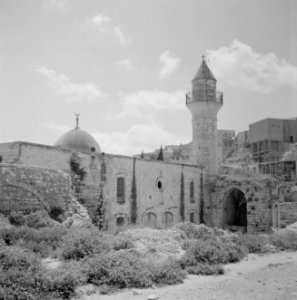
{"points": [[120, 190], [120, 221], [192, 217], [192, 192]]}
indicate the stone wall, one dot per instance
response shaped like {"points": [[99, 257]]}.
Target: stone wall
{"points": [[287, 213], [261, 195], [10, 152], [287, 208], [29, 189]]}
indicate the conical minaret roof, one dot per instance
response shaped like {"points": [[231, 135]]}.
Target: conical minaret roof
{"points": [[204, 72]]}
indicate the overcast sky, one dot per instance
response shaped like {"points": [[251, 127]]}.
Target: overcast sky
{"points": [[125, 66]]}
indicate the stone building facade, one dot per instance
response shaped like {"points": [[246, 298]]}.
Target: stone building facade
{"points": [[119, 190], [164, 193]]}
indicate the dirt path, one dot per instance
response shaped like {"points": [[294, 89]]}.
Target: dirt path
{"points": [[272, 276]]}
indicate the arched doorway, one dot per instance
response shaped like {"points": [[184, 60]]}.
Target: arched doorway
{"points": [[235, 210]]}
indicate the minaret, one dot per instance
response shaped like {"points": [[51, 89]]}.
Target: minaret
{"points": [[204, 103]]}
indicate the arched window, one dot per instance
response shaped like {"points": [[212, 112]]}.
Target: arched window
{"points": [[121, 190], [120, 221], [192, 192], [150, 220], [168, 219]]}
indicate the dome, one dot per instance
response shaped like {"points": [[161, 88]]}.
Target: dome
{"points": [[78, 140]]}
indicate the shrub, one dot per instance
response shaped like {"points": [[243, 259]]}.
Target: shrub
{"points": [[81, 242], [128, 268], [17, 274], [168, 272], [204, 252], [16, 284], [119, 269], [17, 257], [63, 280], [194, 231], [205, 269], [235, 252], [16, 218], [50, 235], [38, 220], [121, 243], [253, 243], [210, 252], [42, 241], [285, 240]]}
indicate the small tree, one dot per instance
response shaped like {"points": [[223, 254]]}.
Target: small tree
{"points": [[78, 174], [182, 198], [160, 155]]}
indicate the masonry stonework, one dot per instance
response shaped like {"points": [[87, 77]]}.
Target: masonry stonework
{"points": [[29, 189]]}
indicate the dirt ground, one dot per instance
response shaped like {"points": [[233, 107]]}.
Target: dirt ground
{"points": [[270, 276]]}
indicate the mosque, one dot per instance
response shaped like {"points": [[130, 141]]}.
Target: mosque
{"points": [[119, 190]]}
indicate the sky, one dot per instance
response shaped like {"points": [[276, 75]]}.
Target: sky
{"points": [[125, 67]]}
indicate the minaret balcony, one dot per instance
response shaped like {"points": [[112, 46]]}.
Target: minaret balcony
{"points": [[218, 99]]}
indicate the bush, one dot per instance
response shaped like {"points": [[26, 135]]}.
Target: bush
{"points": [[82, 242], [205, 269], [16, 218], [63, 280], [285, 240], [254, 243], [17, 274], [121, 243], [17, 257], [203, 252], [128, 268], [119, 269], [210, 252], [194, 231], [38, 220], [16, 284], [50, 235], [168, 272], [42, 241]]}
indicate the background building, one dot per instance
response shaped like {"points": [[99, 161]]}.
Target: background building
{"points": [[271, 138], [243, 139], [226, 144]]}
